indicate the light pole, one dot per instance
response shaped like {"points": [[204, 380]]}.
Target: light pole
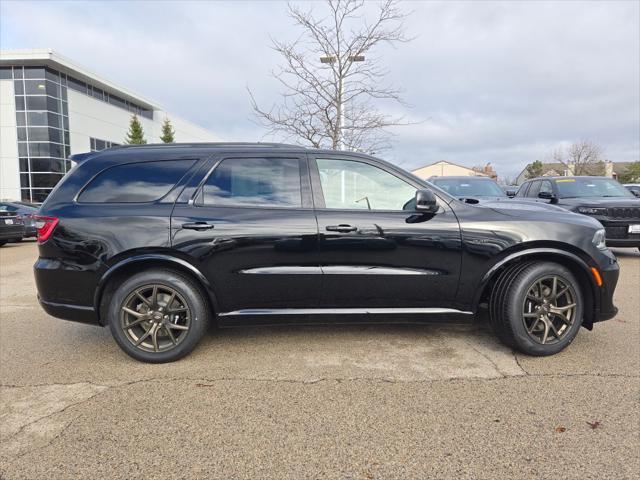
{"points": [[339, 104]]}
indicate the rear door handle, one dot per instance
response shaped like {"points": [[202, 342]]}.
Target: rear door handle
{"points": [[342, 228], [199, 226]]}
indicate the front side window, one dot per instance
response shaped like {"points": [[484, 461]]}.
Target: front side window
{"points": [[244, 182], [546, 187], [135, 182], [348, 184]]}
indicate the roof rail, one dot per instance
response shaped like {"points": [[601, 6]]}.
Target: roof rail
{"points": [[215, 145]]}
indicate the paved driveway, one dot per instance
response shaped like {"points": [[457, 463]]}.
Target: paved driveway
{"points": [[315, 402]]}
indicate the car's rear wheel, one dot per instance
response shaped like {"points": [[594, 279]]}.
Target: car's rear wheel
{"points": [[537, 307], [158, 316]]}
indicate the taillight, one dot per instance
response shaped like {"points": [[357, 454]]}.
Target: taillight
{"points": [[45, 226]]}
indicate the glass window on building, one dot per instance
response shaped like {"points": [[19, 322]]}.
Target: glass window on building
{"points": [[42, 118], [43, 130], [96, 144]]}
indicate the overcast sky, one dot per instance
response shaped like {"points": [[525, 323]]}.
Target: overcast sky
{"points": [[499, 82]]}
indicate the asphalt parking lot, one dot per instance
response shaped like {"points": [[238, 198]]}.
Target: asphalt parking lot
{"points": [[348, 402]]}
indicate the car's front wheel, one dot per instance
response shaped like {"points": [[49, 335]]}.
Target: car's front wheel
{"points": [[537, 307], [158, 316]]}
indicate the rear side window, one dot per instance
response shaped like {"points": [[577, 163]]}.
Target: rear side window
{"points": [[269, 182], [135, 182]]}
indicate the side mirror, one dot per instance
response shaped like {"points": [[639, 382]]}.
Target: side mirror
{"points": [[547, 196], [636, 192], [511, 193], [426, 201]]}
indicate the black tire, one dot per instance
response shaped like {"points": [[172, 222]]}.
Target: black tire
{"points": [[509, 301], [3, 243], [186, 290]]}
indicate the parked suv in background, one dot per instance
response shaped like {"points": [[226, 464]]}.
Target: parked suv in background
{"points": [[25, 211], [602, 198], [11, 227], [155, 241]]}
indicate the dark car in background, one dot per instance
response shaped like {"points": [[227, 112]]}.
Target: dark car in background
{"points": [[602, 198], [510, 190], [11, 227], [485, 192], [155, 241], [26, 211]]}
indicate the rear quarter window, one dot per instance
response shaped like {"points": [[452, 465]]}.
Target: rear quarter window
{"points": [[135, 182]]}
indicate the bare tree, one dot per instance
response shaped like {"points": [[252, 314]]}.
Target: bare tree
{"points": [[331, 79], [582, 158]]}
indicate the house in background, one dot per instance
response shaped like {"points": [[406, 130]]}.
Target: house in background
{"points": [[611, 170], [444, 168]]}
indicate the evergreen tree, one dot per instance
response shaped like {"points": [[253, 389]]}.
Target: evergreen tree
{"points": [[135, 135], [167, 132], [534, 170], [630, 174]]}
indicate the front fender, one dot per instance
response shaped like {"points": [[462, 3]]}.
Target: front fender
{"points": [[547, 253]]}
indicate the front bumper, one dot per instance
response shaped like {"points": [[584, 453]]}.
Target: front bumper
{"points": [[12, 232], [617, 233], [605, 309]]}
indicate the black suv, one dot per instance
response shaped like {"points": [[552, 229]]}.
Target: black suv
{"points": [[602, 198], [155, 241]]}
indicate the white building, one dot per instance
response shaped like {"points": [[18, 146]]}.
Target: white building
{"points": [[51, 108]]}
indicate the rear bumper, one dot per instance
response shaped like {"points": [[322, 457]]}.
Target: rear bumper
{"points": [[75, 313], [11, 232], [65, 290]]}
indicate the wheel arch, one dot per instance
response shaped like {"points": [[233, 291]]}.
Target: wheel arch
{"points": [[135, 263], [578, 266]]}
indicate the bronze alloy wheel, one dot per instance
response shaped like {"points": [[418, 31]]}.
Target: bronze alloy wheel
{"points": [[155, 318], [549, 309]]}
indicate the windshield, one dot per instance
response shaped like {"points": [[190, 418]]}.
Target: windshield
{"points": [[591, 187], [472, 187]]}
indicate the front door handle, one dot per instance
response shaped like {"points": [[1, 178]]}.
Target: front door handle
{"points": [[199, 226], [342, 228]]}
